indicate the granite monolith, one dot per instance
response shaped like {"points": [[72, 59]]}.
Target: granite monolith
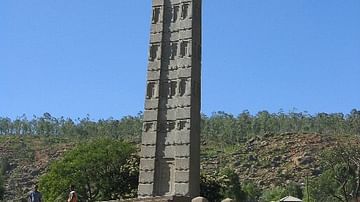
{"points": [[170, 145]]}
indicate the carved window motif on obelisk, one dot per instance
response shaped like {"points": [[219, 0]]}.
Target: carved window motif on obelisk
{"points": [[148, 126], [184, 48], [184, 11], [156, 15], [174, 48], [175, 13], [150, 90], [154, 49], [172, 88], [181, 124], [170, 126], [182, 87]]}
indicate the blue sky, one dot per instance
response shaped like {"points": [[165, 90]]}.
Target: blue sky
{"points": [[73, 58]]}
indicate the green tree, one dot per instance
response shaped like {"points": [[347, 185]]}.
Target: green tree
{"points": [[102, 169], [231, 185], [5, 126], [251, 191], [273, 194], [243, 125], [221, 125], [354, 121], [210, 187], [293, 189], [340, 180], [219, 185], [321, 189], [130, 127]]}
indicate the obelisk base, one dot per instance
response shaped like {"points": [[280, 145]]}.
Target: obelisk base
{"points": [[157, 199]]}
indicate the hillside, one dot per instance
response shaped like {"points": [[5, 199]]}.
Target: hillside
{"points": [[24, 159], [270, 160], [274, 160]]}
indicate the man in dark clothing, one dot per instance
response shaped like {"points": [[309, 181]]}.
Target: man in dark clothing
{"points": [[35, 195]]}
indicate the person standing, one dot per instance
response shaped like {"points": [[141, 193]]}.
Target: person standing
{"points": [[72, 195], [35, 195]]}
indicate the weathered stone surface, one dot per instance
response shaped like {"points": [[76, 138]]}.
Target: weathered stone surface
{"points": [[199, 199], [145, 188], [170, 153]]}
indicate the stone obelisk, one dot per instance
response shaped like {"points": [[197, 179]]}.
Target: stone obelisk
{"points": [[170, 147]]}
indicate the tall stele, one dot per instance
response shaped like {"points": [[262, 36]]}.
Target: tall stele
{"points": [[170, 147]]}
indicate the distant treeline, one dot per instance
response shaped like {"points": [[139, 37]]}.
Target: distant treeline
{"points": [[129, 127], [219, 125], [226, 127]]}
